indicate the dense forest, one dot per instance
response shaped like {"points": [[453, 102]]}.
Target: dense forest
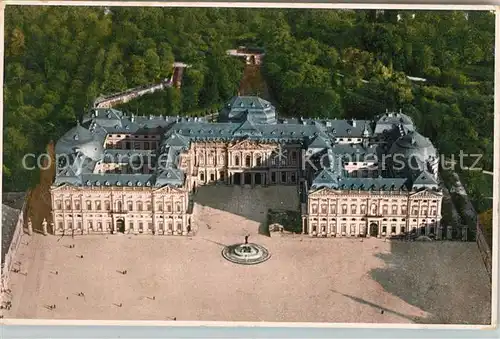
{"points": [[319, 63]]}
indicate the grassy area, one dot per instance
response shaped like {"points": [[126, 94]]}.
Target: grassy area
{"points": [[290, 220]]}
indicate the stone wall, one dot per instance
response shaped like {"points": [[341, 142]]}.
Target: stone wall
{"points": [[484, 247], [14, 245]]}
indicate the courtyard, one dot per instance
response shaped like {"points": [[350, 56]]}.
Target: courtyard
{"points": [[305, 280]]}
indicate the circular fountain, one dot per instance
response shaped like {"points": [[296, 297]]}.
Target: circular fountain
{"points": [[246, 254]]}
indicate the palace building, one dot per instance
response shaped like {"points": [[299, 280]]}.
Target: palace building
{"points": [[120, 173]]}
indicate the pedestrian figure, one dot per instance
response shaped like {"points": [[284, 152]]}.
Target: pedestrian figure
{"points": [[67, 298], [121, 304], [246, 239], [175, 318], [382, 312], [154, 298], [125, 272], [81, 256], [57, 272]]}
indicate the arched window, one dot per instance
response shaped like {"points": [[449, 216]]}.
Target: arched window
{"points": [[119, 206], [248, 161], [259, 160], [236, 160]]}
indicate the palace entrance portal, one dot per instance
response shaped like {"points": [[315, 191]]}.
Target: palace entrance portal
{"points": [[258, 179], [120, 226], [373, 229], [248, 179], [237, 178]]}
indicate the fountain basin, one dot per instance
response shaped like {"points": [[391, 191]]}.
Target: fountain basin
{"points": [[246, 254]]}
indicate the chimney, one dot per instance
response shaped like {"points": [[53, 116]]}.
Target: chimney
{"points": [[353, 123]]}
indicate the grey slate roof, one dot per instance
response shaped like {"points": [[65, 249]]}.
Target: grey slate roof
{"points": [[242, 118], [251, 108], [364, 184]]}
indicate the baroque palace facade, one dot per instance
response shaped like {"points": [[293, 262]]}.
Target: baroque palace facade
{"points": [[120, 173]]}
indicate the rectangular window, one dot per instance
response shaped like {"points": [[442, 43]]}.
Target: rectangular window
{"points": [[433, 211], [344, 209], [108, 226], [393, 228], [98, 205], [70, 225], [333, 228], [60, 225], [314, 208], [90, 226], [68, 204], [130, 225], [333, 209], [353, 209], [179, 227], [384, 229], [384, 209], [130, 206], [99, 226], [344, 227], [273, 177], [178, 206], [77, 205], [292, 177], [159, 207], [150, 226], [402, 229], [403, 209], [414, 211], [363, 209], [212, 177], [283, 177], [107, 204], [324, 208], [58, 204], [169, 208], [394, 209], [353, 228], [148, 206]]}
